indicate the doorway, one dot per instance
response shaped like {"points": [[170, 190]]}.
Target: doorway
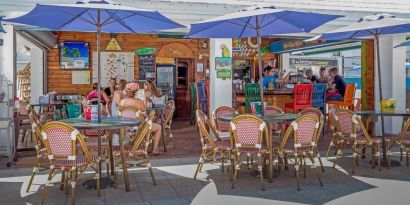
{"points": [[183, 100]]}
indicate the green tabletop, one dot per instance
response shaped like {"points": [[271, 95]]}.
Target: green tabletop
{"points": [[279, 117], [106, 123]]}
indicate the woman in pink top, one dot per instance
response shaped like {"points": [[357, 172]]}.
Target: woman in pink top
{"points": [[93, 95], [137, 104]]}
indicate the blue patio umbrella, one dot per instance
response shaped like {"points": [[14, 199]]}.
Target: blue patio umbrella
{"points": [[258, 22], [1, 27], [96, 16], [405, 43], [371, 27]]}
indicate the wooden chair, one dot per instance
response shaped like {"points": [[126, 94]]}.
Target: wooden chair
{"points": [[304, 131], [61, 141], [319, 114], [221, 128], [401, 141], [22, 123], [136, 149], [350, 131], [210, 146], [247, 136], [348, 98], [302, 98], [169, 114]]}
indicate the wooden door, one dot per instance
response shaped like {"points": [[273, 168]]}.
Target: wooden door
{"points": [[183, 100]]}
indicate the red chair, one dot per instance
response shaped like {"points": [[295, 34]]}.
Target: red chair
{"points": [[302, 98]]}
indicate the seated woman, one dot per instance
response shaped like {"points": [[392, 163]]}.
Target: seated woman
{"points": [[93, 95], [151, 89], [337, 85], [130, 100], [118, 96]]}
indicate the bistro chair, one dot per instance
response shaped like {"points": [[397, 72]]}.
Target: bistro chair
{"points": [[271, 110], [401, 141], [169, 114], [348, 99], [319, 114], [136, 149], [61, 142], [210, 146], [221, 127], [42, 162], [252, 94], [247, 133], [302, 98], [304, 131], [350, 131]]}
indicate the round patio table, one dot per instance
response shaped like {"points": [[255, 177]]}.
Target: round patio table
{"points": [[160, 111], [107, 123], [268, 119], [279, 117], [376, 114]]}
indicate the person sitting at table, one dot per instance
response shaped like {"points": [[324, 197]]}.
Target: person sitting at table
{"points": [[118, 96], [323, 77], [111, 87], [311, 77], [269, 77], [151, 89], [130, 100], [337, 85], [93, 95]]}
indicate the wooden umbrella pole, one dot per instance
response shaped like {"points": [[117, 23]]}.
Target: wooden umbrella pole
{"points": [[258, 37]]}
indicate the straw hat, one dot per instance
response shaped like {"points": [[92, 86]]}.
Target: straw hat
{"points": [[131, 87]]}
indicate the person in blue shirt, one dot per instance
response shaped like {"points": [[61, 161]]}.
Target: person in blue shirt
{"points": [[269, 77]]}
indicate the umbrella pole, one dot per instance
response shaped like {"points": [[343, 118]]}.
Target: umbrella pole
{"points": [[380, 94], [98, 63], [258, 38]]}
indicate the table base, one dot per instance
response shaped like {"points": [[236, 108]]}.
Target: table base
{"points": [[255, 173], [385, 163], [105, 183]]}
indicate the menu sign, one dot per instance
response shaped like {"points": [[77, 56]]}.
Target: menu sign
{"points": [[146, 67]]}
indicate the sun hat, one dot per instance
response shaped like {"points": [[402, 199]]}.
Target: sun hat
{"points": [[132, 87]]}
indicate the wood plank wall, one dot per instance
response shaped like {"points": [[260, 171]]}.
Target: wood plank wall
{"points": [[60, 80]]}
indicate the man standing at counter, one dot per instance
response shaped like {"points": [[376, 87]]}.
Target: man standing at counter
{"points": [[269, 77]]}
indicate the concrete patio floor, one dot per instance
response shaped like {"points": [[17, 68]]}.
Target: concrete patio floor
{"points": [[175, 185], [174, 172]]}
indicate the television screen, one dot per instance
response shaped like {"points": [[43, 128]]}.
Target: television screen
{"points": [[74, 55]]}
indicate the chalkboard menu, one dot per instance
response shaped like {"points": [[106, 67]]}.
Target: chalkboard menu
{"points": [[146, 67]]}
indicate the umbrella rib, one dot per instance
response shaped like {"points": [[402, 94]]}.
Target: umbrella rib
{"points": [[92, 18], [280, 19], [120, 21], [107, 21], [76, 17], [243, 30], [111, 20], [249, 25]]}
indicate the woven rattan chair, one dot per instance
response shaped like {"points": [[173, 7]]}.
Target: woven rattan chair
{"points": [[136, 149], [247, 136], [319, 114], [221, 128], [61, 142], [169, 114], [210, 146], [42, 163], [350, 131], [401, 141], [303, 145], [331, 126]]}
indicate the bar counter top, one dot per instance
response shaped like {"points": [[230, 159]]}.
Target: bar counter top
{"points": [[283, 91]]}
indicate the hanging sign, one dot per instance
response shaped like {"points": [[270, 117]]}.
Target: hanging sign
{"points": [[223, 67], [144, 51], [146, 64], [113, 45], [165, 61]]}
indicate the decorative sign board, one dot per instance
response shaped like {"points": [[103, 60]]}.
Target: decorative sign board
{"points": [[80, 77], [145, 51], [119, 65], [312, 62], [74, 55], [165, 61], [113, 45], [223, 67], [146, 64]]}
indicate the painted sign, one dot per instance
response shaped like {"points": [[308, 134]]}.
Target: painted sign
{"points": [[284, 45], [113, 45], [74, 55], [312, 62], [223, 67], [146, 64], [165, 61], [244, 47], [144, 51]]}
